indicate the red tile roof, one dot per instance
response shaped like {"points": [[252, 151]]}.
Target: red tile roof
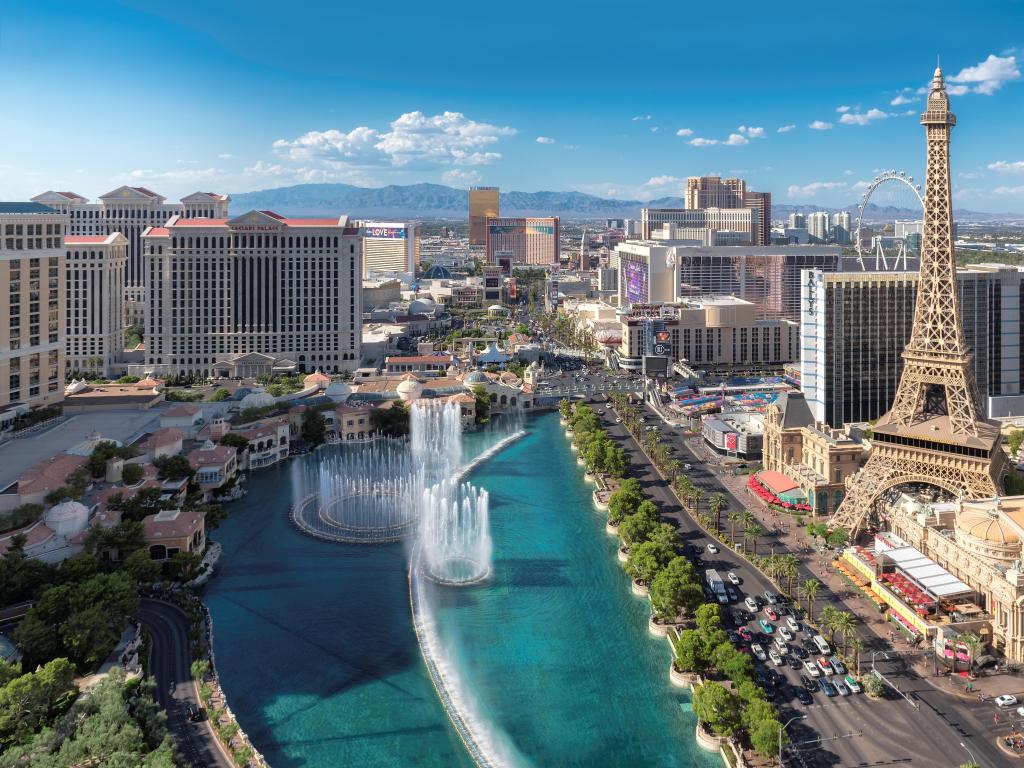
{"points": [[50, 473], [777, 481], [183, 410], [204, 457], [84, 239], [171, 524], [157, 232], [146, 192], [420, 359]]}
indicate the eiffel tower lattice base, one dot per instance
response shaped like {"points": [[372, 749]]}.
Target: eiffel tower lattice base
{"points": [[889, 466]]}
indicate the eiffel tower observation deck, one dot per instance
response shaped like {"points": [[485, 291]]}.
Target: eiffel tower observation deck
{"points": [[935, 434]]}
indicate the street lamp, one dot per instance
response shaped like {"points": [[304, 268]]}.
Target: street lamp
{"points": [[782, 730], [973, 758]]}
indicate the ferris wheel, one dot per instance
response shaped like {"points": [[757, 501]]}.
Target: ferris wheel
{"points": [[888, 190]]}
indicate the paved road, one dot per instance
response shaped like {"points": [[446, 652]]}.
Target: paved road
{"points": [[170, 664], [883, 731]]}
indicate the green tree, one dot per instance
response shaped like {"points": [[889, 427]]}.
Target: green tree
{"points": [[30, 701], [174, 467], [811, 587], [737, 666], [718, 504], [690, 651], [708, 617], [392, 421], [734, 517], [646, 560], [715, 705], [235, 440], [674, 592], [753, 532], [837, 538], [314, 428], [765, 737], [755, 711], [183, 565], [615, 462], [1014, 440], [637, 528], [483, 404], [219, 395], [141, 567], [132, 474]]}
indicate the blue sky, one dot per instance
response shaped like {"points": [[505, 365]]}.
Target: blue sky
{"points": [[617, 99]]}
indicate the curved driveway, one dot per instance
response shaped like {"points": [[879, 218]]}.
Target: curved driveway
{"points": [[170, 660], [853, 730]]}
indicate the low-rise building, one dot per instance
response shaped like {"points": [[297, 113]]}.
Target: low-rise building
{"points": [[734, 434], [269, 442], [172, 531], [215, 465], [187, 417], [814, 457]]}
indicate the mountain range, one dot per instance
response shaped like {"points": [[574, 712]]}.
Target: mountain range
{"points": [[436, 201]]}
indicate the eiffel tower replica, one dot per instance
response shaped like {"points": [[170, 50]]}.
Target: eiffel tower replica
{"points": [[935, 433]]}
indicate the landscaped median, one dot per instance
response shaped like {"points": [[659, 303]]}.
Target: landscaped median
{"points": [[731, 708]]}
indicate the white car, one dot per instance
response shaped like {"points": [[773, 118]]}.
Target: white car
{"points": [[733, 578], [712, 549], [751, 604], [812, 669], [1006, 700], [775, 657], [793, 624], [618, 421], [758, 651], [785, 634], [842, 689]]}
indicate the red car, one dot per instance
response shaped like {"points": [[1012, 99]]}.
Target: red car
{"points": [[745, 634], [770, 613]]}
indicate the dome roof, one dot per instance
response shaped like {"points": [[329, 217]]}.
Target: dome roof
{"points": [[65, 512], [338, 390], [422, 306], [318, 378], [986, 525], [410, 388], [437, 272], [495, 308], [257, 400], [476, 377]]}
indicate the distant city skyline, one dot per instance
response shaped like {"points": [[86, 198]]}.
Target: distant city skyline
{"points": [[192, 96]]}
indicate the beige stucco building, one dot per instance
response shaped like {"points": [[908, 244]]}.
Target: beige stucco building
{"points": [[95, 290], [32, 328]]}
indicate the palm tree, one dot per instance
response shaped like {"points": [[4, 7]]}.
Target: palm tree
{"points": [[696, 494], [718, 503], [811, 587], [753, 531], [974, 645], [790, 569], [857, 645], [734, 517], [844, 623]]}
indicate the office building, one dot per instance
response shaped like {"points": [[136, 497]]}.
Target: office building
{"points": [[709, 333], [95, 267], [512, 242], [129, 210], [841, 233], [389, 247], [797, 221], [483, 205], [818, 227], [257, 293], [730, 219], [31, 307], [715, 192], [760, 203], [854, 327]]}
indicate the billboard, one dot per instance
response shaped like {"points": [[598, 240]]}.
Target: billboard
{"points": [[731, 441], [386, 233], [655, 366], [540, 229], [634, 276], [505, 229]]}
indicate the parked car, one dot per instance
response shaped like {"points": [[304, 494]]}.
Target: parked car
{"points": [[795, 663], [731, 593], [826, 687], [812, 669], [766, 627], [809, 685], [733, 636], [771, 598], [712, 549], [803, 696], [770, 613], [745, 634], [841, 689], [786, 634], [837, 666], [854, 686], [774, 655], [733, 578], [781, 645], [824, 666], [793, 624], [1006, 700], [758, 652], [751, 604], [194, 713], [800, 652]]}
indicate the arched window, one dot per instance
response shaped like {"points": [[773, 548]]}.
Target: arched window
{"points": [[158, 552]]}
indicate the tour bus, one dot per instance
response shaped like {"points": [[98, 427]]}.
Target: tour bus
{"points": [[821, 644]]}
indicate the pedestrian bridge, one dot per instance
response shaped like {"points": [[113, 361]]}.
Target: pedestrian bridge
{"points": [[586, 389]]}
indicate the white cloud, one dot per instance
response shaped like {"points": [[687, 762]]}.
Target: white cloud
{"points": [[987, 76], [847, 172], [903, 98], [820, 125], [785, 128], [810, 190], [459, 177], [860, 186], [1008, 191], [684, 132], [545, 140], [862, 118], [751, 132], [225, 155], [735, 140], [332, 171], [699, 142], [1003, 166], [654, 129], [642, 117], [449, 138], [190, 174], [843, 108]]}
